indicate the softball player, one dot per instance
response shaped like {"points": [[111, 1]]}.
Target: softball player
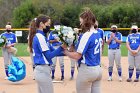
{"points": [[42, 53], [101, 31], [73, 62], [55, 43], [88, 56], [11, 41], [133, 46], [114, 39], [31, 55]]}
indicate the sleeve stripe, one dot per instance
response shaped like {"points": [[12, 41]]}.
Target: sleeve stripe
{"points": [[42, 41], [83, 42]]}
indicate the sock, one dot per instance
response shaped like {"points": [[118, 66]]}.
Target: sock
{"points": [[62, 72], [72, 73], [110, 74], [137, 73], [110, 70], [53, 71], [130, 72], [120, 72], [6, 71]]}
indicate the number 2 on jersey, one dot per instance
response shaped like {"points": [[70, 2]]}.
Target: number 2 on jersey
{"points": [[98, 45]]}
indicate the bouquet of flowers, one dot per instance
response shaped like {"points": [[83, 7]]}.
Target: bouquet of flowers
{"points": [[66, 35], [2, 41]]}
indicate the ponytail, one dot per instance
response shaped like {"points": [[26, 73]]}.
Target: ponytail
{"points": [[32, 33], [33, 27]]}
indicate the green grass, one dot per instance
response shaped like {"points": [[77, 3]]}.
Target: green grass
{"points": [[124, 51], [22, 50]]}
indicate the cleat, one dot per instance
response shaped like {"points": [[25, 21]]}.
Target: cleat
{"points": [[120, 79], [71, 78], [110, 79], [6, 78], [129, 80], [136, 80]]}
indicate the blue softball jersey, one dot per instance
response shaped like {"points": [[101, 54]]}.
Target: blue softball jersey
{"points": [[53, 37], [89, 47], [43, 52], [113, 44], [134, 40], [11, 37], [101, 31]]}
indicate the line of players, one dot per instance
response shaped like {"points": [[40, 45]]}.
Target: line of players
{"points": [[113, 39]]}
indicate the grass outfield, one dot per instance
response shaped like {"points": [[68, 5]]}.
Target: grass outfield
{"points": [[22, 50]]}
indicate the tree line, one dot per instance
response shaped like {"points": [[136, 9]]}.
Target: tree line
{"points": [[123, 13]]}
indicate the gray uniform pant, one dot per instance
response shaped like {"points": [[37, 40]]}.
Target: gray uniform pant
{"points": [[61, 60], [31, 55], [43, 79], [88, 79], [7, 57], [134, 61], [73, 62], [114, 55]]}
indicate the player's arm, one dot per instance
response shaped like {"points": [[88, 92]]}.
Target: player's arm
{"points": [[128, 46], [118, 40], [103, 44], [109, 40], [13, 44], [73, 55], [52, 41]]}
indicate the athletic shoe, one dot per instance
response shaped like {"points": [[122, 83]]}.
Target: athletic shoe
{"points": [[110, 79], [71, 78], [120, 79], [62, 77], [129, 80], [6, 78], [136, 80]]}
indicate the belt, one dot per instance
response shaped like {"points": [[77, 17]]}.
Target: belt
{"points": [[86, 65], [114, 48], [42, 64]]}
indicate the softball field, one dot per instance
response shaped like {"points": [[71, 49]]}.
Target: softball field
{"points": [[28, 85]]}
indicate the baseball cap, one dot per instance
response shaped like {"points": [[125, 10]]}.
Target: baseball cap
{"points": [[134, 27], [8, 26], [114, 26]]}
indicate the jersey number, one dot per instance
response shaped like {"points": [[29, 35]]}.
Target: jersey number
{"points": [[98, 45], [133, 40]]}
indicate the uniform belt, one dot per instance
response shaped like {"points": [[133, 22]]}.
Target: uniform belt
{"points": [[114, 48], [86, 65], [42, 64]]}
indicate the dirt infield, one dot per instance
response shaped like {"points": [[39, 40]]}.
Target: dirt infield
{"points": [[28, 85]]}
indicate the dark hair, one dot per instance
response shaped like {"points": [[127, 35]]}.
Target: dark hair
{"points": [[8, 23], [57, 23], [35, 23], [88, 20]]}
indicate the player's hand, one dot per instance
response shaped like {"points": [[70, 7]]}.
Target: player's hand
{"points": [[71, 49], [8, 46], [134, 52], [112, 35], [76, 30], [64, 46], [66, 52]]}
